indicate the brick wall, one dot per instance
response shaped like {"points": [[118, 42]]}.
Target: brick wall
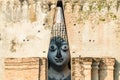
{"points": [[93, 28], [25, 68], [82, 68]]}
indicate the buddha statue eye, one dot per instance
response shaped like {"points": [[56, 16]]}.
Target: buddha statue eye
{"points": [[53, 47], [64, 48]]}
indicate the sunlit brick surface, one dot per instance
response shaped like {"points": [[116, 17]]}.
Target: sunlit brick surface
{"points": [[93, 31]]}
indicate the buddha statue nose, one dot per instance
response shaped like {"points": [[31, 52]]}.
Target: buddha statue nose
{"points": [[58, 54]]}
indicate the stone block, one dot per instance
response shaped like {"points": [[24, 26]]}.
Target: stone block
{"points": [[25, 68]]}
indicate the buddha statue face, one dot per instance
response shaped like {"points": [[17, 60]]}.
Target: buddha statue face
{"points": [[58, 55]]}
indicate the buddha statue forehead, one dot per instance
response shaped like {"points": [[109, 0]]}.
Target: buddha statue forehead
{"points": [[58, 40]]}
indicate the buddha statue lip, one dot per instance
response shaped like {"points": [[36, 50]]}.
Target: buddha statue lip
{"points": [[59, 60]]}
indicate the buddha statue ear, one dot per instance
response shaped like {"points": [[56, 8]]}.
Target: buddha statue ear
{"points": [[48, 64], [69, 64]]}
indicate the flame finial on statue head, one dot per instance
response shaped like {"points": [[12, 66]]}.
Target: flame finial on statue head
{"points": [[59, 3], [59, 27]]}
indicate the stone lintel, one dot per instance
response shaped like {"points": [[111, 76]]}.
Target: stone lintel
{"points": [[95, 63], [87, 61], [9, 60], [75, 59], [23, 63], [107, 63], [96, 60]]}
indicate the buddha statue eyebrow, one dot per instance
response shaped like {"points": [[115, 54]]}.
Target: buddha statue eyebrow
{"points": [[64, 43]]}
